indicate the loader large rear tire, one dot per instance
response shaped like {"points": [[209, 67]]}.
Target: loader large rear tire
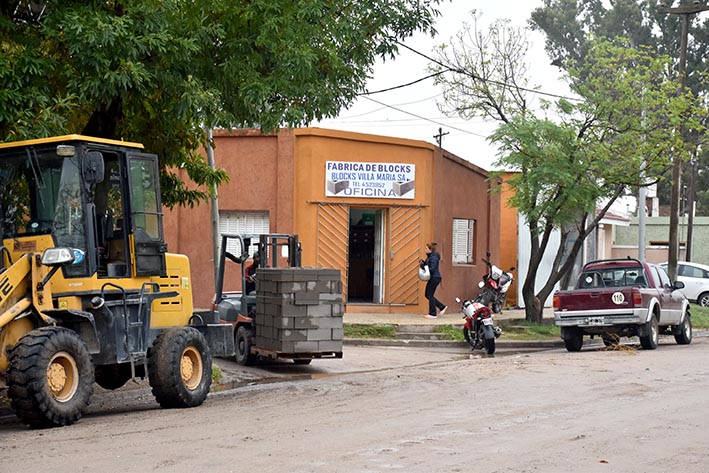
{"points": [[50, 378], [180, 368]]}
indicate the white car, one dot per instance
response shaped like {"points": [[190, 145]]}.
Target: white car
{"points": [[695, 277]]}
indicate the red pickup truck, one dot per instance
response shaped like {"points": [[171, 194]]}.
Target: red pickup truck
{"points": [[622, 298]]}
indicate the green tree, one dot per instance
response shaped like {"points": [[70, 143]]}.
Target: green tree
{"points": [[158, 71], [571, 154], [568, 23]]}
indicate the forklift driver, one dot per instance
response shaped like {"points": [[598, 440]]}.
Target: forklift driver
{"points": [[251, 273]]}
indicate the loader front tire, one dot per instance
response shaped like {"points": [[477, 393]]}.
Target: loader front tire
{"points": [[180, 368], [50, 378]]}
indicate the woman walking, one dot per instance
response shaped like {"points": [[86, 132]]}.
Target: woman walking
{"points": [[432, 260]]}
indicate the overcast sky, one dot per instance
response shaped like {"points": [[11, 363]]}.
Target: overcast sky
{"points": [[415, 114]]}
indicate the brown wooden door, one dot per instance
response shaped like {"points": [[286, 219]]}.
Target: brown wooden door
{"points": [[333, 238], [404, 255]]}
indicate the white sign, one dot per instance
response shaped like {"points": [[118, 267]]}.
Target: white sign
{"points": [[618, 298], [374, 180]]}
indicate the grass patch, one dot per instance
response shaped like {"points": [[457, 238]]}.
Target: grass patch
{"points": [[454, 333], [216, 374], [523, 330], [370, 331], [700, 316]]}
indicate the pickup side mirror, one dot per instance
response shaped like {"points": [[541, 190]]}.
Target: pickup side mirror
{"points": [[678, 285]]}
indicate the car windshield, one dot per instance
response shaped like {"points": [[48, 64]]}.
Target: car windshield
{"points": [[611, 277]]}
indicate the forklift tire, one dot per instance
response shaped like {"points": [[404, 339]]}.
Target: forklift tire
{"points": [[180, 368], [243, 341], [112, 376], [50, 378]]}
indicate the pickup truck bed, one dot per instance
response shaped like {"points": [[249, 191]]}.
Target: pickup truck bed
{"points": [[622, 298]]}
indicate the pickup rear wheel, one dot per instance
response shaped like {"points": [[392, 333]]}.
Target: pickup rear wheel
{"points": [[684, 336], [652, 330], [574, 341]]}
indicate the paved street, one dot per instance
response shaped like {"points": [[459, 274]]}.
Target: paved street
{"points": [[407, 409]]}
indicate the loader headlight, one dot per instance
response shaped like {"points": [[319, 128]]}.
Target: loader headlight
{"points": [[61, 256]]}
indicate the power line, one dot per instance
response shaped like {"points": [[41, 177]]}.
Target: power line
{"points": [[470, 74], [404, 85], [423, 118]]}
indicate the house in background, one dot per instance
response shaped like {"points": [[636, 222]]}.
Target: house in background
{"points": [[515, 246], [363, 204], [657, 236]]}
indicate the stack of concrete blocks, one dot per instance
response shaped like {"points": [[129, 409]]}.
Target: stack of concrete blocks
{"points": [[299, 310]]}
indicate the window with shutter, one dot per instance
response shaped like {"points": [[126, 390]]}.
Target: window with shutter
{"points": [[463, 240], [231, 221]]}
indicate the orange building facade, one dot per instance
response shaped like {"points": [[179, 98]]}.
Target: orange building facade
{"points": [[363, 204]]}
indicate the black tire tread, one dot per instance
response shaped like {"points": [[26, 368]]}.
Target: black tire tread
{"points": [[164, 368], [247, 358], [647, 342], [29, 396], [682, 338]]}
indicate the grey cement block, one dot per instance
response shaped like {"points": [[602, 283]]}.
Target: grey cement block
{"points": [[288, 335], [319, 334], [283, 323], [328, 297], [306, 298], [320, 310], [338, 333], [300, 347], [306, 323], [330, 345], [293, 310], [318, 286]]}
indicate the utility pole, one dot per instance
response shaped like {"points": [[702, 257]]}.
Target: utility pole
{"points": [[685, 11], [214, 206], [439, 136], [691, 197]]}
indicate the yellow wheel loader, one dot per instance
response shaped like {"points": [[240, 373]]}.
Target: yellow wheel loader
{"points": [[88, 291]]}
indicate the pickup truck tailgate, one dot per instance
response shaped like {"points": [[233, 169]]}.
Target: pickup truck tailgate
{"points": [[594, 299]]}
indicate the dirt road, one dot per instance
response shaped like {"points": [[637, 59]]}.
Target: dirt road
{"points": [[593, 411]]}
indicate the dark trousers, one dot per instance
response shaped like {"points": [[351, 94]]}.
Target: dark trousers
{"points": [[431, 286]]}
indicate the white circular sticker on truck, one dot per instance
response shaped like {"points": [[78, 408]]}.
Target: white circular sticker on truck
{"points": [[618, 298]]}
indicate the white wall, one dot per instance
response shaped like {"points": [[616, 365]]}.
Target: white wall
{"points": [[524, 248]]}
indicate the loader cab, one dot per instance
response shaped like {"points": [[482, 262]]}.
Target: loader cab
{"points": [[100, 196]]}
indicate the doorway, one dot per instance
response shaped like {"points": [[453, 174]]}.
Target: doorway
{"points": [[365, 265]]}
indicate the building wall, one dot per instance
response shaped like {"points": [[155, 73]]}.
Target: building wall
{"points": [[284, 174], [509, 236], [461, 190], [657, 230], [260, 173]]}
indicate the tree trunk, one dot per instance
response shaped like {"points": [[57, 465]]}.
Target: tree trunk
{"points": [[104, 121], [533, 309]]}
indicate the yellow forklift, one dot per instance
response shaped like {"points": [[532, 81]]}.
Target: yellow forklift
{"points": [[88, 291]]}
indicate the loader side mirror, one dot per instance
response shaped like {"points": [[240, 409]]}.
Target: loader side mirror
{"points": [[93, 168]]}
